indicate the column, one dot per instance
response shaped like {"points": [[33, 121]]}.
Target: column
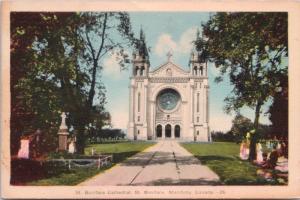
{"points": [[207, 104], [163, 132], [146, 69], [191, 101], [145, 110], [172, 131], [153, 119], [131, 100], [145, 102], [151, 130], [131, 112], [206, 126], [203, 103]]}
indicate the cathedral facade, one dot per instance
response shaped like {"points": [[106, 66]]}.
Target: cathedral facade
{"points": [[168, 102]]}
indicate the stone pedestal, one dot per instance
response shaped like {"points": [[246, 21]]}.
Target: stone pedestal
{"points": [[63, 134], [62, 142]]}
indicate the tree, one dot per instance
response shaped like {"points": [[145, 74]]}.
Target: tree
{"points": [[101, 33], [279, 110], [241, 126], [55, 67], [39, 68], [252, 49]]}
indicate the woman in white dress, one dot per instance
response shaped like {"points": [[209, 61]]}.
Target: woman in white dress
{"points": [[244, 151], [259, 153]]}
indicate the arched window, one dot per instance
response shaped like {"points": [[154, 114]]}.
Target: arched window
{"points": [[201, 70], [195, 70], [159, 131], [136, 71], [168, 130], [142, 71], [177, 131]]}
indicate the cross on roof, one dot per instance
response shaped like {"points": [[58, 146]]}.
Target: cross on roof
{"points": [[169, 55]]}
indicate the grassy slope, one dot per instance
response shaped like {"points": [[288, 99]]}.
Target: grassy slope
{"points": [[223, 158], [120, 152]]}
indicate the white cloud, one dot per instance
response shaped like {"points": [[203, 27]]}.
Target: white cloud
{"points": [[165, 43], [111, 67], [186, 39]]}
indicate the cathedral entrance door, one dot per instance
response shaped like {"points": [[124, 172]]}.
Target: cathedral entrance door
{"points": [[168, 131], [159, 131], [177, 131]]}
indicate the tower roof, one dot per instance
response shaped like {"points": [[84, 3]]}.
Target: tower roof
{"points": [[141, 46]]}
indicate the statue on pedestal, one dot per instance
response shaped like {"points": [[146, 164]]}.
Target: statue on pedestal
{"points": [[63, 134]]}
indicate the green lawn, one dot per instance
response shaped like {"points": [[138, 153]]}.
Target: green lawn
{"points": [[67, 177], [119, 150], [223, 158]]}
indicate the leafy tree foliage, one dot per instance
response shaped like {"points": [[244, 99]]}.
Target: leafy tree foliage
{"points": [[56, 66], [98, 136], [37, 70], [219, 136], [241, 126], [252, 49], [279, 110]]}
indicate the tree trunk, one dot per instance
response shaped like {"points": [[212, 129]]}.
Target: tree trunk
{"points": [[80, 139], [93, 84], [253, 138]]}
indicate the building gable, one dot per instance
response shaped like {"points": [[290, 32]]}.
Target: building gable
{"points": [[169, 69]]}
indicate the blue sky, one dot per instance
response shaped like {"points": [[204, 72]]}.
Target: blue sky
{"points": [[167, 31]]}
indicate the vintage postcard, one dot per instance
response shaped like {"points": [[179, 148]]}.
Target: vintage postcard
{"points": [[150, 99]]}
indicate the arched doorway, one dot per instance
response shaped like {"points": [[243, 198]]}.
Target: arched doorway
{"points": [[159, 131], [168, 131], [177, 131]]}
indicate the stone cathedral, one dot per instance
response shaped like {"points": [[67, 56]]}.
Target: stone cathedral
{"points": [[168, 102]]}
